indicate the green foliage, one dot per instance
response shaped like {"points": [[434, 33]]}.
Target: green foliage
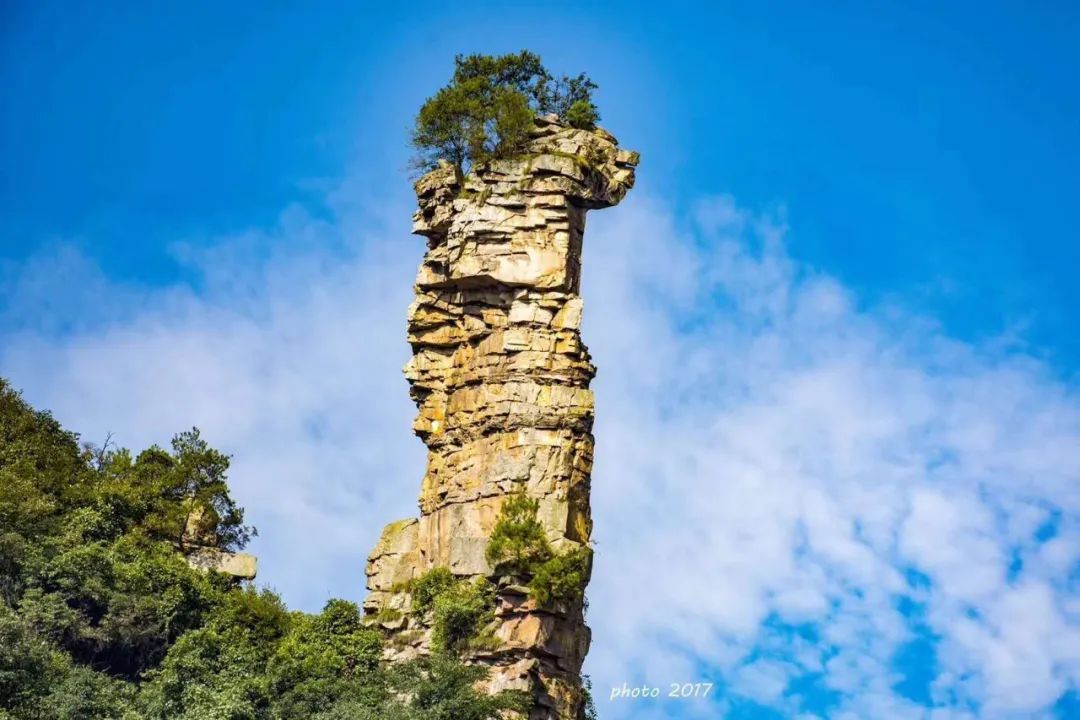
{"points": [[117, 605], [589, 709], [88, 548], [193, 482], [460, 613], [101, 617], [255, 660], [37, 680], [562, 578], [442, 689], [582, 114], [214, 671], [489, 107], [218, 670], [472, 121], [29, 665], [518, 542], [323, 659], [259, 615], [426, 588], [562, 95], [519, 546], [457, 608], [385, 615], [89, 695]]}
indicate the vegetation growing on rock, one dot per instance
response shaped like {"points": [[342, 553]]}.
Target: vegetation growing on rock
{"points": [[488, 108], [457, 608], [561, 578], [519, 547], [518, 542]]}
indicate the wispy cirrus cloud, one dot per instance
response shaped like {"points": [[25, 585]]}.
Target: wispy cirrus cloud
{"points": [[822, 507]]}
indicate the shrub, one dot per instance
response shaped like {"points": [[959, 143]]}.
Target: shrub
{"points": [[518, 542], [562, 578], [28, 664], [90, 695], [324, 658], [209, 672], [460, 613], [429, 586], [588, 702], [440, 688], [519, 546], [582, 114], [458, 608]]}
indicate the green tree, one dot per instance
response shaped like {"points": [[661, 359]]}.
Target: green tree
{"points": [[29, 665], [440, 688], [218, 670], [323, 659], [192, 479], [89, 695], [489, 107], [210, 672], [457, 609]]}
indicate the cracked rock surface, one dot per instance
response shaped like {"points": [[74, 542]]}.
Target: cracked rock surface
{"points": [[500, 378]]}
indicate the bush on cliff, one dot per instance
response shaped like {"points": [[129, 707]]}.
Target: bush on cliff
{"points": [[456, 608], [519, 546], [561, 578], [489, 106], [518, 542]]}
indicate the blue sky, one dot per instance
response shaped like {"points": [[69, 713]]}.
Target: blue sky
{"points": [[841, 301], [922, 149]]}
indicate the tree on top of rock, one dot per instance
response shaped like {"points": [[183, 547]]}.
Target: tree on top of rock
{"points": [[491, 103]]}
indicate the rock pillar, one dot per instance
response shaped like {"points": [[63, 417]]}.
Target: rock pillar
{"points": [[501, 380]]}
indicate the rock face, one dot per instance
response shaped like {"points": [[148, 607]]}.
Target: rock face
{"points": [[200, 548], [241, 566], [501, 380]]}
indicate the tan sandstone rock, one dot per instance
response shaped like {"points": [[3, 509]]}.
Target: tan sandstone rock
{"points": [[241, 566], [501, 382]]}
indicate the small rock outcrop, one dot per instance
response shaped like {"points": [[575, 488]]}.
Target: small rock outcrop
{"points": [[200, 548], [501, 380]]}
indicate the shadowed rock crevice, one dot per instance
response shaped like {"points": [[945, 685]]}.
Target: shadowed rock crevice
{"points": [[501, 380]]}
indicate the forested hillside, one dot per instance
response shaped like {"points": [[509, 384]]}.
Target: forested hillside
{"points": [[102, 616]]}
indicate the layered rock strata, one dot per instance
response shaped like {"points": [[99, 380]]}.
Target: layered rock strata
{"points": [[501, 380]]}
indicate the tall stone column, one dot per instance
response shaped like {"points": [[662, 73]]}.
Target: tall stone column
{"points": [[501, 380]]}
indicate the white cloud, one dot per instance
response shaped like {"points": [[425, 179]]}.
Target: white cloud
{"points": [[773, 458], [767, 450], [288, 360]]}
